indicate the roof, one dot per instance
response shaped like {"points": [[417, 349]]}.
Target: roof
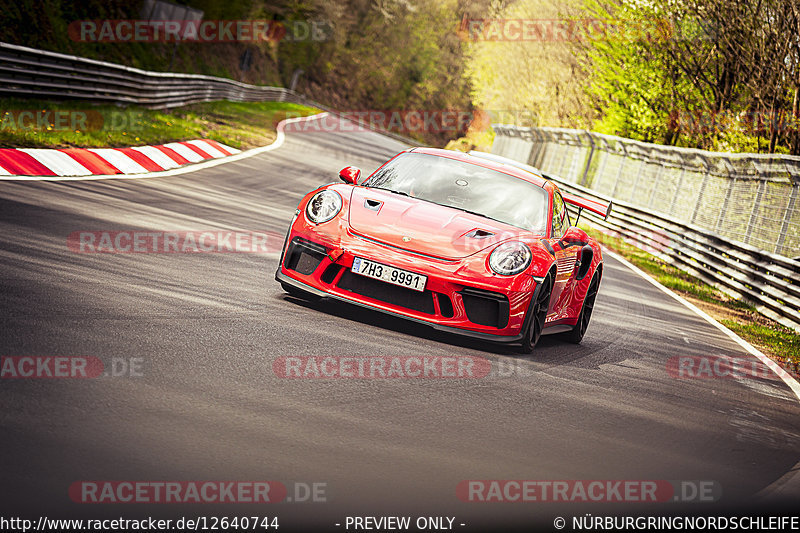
{"points": [[492, 164]]}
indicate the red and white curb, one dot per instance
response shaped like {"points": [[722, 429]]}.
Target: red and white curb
{"points": [[104, 161], [73, 164]]}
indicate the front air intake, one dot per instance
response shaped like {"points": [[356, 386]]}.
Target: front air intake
{"points": [[485, 307], [304, 256]]}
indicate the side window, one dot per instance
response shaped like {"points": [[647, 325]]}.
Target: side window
{"points": [[560, 216]]}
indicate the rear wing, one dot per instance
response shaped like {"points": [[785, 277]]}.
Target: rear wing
{"points": [[595, 206]]}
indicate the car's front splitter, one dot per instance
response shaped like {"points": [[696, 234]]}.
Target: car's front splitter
{"points": [[286, 280]]}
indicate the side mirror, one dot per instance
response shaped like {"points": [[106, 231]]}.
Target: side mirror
{"points": [[350, 175], [574, 237]]}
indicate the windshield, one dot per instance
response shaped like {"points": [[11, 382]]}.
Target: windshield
{"points": [[467, 187]]}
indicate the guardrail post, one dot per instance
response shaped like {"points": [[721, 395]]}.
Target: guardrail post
{"points": [[678, 189], [537, 146], [546, 150], [295, 78], [565, 147], [575, 163], [602, 170], [702, 190], [724, 210], [787, 215], [588, 161], [656, 183], [619, 172], [642, 163], [527, 136], [762, 184]]}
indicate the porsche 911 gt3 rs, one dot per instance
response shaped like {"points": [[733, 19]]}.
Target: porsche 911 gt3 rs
{"points": [[471, 244]]}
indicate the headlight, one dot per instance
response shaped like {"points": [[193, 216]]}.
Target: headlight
{"points": [[323, 206], [510, 258]]}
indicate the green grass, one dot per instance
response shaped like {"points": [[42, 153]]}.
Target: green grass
{"points": [[779, 342], [782, 343], [236, 124]]}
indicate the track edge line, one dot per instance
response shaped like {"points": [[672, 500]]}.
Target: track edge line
{"points": [[787, 378]]}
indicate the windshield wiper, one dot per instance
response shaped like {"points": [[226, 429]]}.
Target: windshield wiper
{"points": [[470, 212]]}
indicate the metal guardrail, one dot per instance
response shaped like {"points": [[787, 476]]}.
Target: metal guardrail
{"points": [[768, 280], [28, 72], [750, 198]]}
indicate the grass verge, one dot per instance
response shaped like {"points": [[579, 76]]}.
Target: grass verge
{"points": [[74, 124], [780, 343]]}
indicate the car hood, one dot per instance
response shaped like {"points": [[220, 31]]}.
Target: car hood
{"points": [[423, 227]]}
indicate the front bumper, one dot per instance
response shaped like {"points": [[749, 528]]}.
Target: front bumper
{"points": [[460, 296], [284, 279]]}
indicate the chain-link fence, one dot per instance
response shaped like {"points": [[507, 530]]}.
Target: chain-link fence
{"points": [[748, 198]]}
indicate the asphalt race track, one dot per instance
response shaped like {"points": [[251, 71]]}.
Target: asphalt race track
{"points": [[206, 329]]}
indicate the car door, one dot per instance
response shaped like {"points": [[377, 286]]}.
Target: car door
{"points": [[565, 259]]}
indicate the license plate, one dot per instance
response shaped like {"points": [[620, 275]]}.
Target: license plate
{"points": [[389, 274]]}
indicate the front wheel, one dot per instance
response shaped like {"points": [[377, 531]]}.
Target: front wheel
{"points": [[575, 336], [537, 313]]}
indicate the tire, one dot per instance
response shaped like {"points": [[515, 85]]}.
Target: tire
{"points": [[575, 336], [537, 313]]}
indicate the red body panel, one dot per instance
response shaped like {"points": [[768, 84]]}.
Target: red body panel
{"points": [[432, 229], [436, 245]]}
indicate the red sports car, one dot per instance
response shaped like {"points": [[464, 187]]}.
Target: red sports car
{"points": [[466, 243]]}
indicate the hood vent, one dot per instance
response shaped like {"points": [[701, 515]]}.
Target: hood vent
{"points": [[479, 234], [374, 205]]}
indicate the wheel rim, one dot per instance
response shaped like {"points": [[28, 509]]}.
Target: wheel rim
{"points": [[588, 305], [540, 312]]}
